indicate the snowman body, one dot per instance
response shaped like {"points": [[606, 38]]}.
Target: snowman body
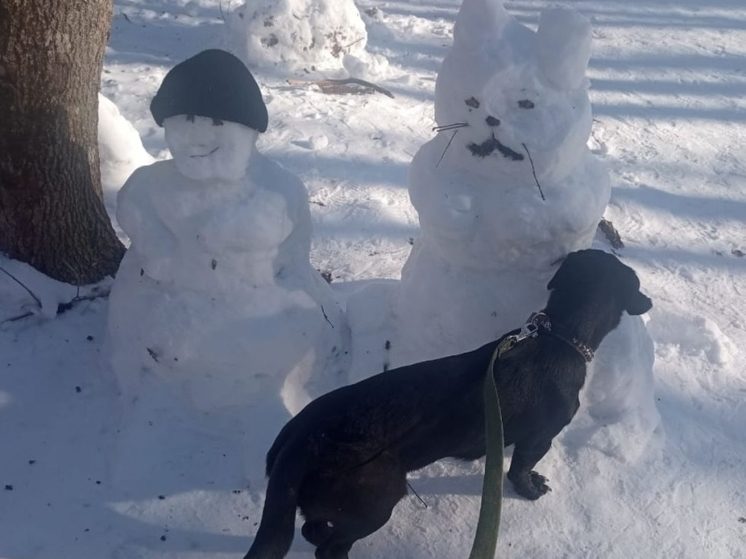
{"points": [[489, 241], [218, 324]]}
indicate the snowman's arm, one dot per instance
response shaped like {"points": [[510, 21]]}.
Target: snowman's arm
{"points": [[442, 203], [138, 217], [298, 208]]}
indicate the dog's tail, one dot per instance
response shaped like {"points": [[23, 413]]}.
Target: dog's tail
{"points": [[277, 527]]}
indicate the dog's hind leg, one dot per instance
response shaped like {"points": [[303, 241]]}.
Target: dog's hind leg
{"points": [[317, 532], [334, 550], [351, 505]]}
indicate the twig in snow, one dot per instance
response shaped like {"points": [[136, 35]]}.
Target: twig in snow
{"points": [[326, 317], [153, 354], [347, 86], [447, 127], [15, 279], [64, 307], [61, 307], [533, 170], [611, 234], [17, 318], [416, 494], [353, 43], [446, 149]]}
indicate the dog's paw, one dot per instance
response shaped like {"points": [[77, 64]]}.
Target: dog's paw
{"points": [[530, 485]]}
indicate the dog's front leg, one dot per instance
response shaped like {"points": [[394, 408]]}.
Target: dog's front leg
{"points": [[526, 481]]}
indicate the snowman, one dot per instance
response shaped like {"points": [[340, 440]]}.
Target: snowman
{"points": [[216, 311], [504, 191]]}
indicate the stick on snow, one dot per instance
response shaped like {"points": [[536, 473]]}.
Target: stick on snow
{"points": [[533, 170]]}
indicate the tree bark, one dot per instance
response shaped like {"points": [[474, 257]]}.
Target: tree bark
{"points": [[51, 210]]}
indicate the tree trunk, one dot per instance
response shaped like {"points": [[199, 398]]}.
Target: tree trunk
{"points": [[51, 210]]}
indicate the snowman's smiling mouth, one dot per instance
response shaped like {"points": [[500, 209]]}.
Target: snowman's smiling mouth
{"points": [[208, 154]]}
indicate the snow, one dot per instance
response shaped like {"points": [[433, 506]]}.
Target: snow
{"points": [[23, 289], [298, 36], [120, 149], [666, 90]]}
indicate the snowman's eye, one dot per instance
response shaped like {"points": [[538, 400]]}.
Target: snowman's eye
{"points": [[526, 104]]}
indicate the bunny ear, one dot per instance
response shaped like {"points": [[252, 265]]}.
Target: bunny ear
{"points": [[479, 20], [564, 47]]}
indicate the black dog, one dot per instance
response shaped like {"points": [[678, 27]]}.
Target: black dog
{"points": [[343, 460]]}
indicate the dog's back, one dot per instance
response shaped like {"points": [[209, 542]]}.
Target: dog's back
{"points": [[384, 411], [372, 429]]}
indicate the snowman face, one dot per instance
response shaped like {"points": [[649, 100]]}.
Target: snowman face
{"points": [[550, 124], [518, 120], [207, 149]]}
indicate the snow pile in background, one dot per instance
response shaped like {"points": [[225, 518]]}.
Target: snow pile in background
{"points": [[299, 35], [619, 394], [120, 150]]}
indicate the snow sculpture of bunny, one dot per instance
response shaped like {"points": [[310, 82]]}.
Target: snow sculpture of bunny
{"points": [[505, 190]]}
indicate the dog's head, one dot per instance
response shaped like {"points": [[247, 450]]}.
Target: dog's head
{"points": [[594, 271]]}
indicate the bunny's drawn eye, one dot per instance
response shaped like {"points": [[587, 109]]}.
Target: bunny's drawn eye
{"points": [[472, 103], [526, 104]]}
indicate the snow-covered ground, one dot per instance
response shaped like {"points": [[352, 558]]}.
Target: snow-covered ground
{"points": [[667, 86]]}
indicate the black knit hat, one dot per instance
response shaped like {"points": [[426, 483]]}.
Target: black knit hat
{"points": [[213, 84]]}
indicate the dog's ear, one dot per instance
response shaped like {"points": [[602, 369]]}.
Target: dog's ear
{"points": [[573, 270], [637, 303], [634, 301]]}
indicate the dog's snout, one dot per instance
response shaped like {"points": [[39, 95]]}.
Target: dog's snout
{"points": [[640, 304]]}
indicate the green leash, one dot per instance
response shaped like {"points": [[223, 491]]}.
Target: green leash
{"points": [[488, 526]]}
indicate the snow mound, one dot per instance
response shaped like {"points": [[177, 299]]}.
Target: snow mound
{"points": [[299, 35], [120, 150], [697, 337], [618, 397]]}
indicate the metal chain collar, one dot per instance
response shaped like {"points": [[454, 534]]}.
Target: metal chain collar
{"points": [[540, 321]]}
